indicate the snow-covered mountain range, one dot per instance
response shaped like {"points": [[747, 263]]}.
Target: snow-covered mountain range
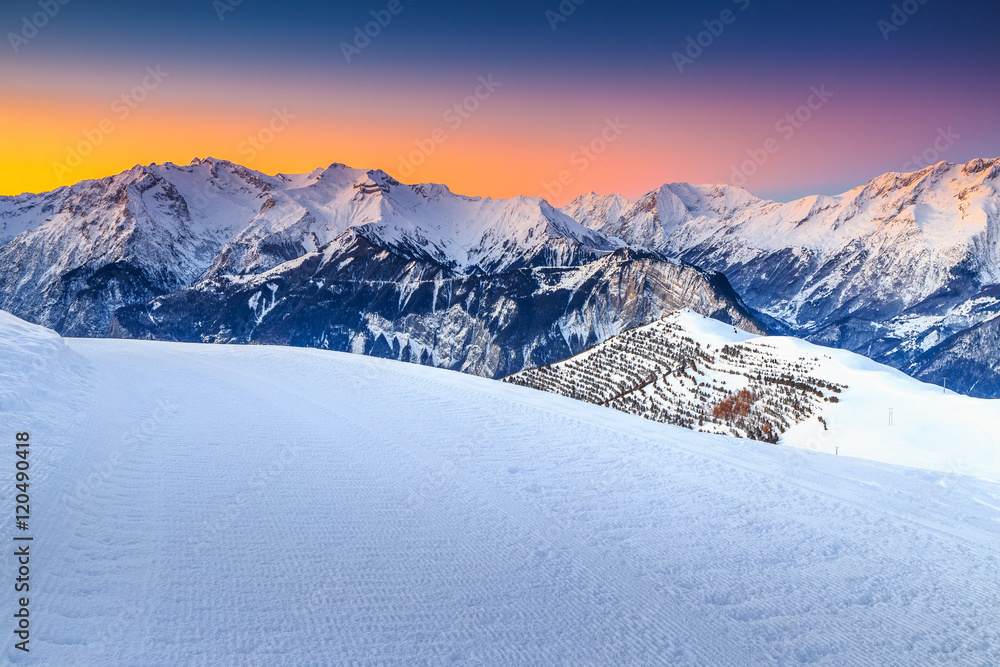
{"points": [[905, 269], [339, 258], [902, 269]]}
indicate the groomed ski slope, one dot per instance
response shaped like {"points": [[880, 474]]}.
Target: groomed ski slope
{"points": [[270, 506]]}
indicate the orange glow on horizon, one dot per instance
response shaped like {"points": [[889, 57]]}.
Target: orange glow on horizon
{"points": [[50, 145], [522, 141]]}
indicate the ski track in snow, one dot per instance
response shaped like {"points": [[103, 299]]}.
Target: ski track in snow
{"points": [[273, 506]]}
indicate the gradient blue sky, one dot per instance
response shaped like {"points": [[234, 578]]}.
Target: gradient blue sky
{"points": [[607, 60]]}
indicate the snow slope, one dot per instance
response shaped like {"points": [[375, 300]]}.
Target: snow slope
{"points": [[931, 428], [250, 505], [641, 372]]}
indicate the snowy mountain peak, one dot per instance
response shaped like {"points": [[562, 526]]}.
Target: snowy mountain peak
{"points": [[438, 190], [981, 165], [657, 215], [374, 182], [970, 174], [382, 178], [721, 200]]}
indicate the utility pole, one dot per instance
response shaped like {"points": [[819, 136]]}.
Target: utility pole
{"points": [[890, 416]]}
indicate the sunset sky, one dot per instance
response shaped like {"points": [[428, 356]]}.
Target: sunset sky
{"points": [[79, 99]]}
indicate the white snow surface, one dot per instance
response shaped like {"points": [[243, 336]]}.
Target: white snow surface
{"points": [[251, 505], [931, 428]]}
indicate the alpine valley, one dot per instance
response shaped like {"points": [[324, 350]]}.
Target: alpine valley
{"points": [[904, 269]]}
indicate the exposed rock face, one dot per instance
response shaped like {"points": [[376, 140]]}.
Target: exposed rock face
{"points": [[355, 296], [967, 362]]}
